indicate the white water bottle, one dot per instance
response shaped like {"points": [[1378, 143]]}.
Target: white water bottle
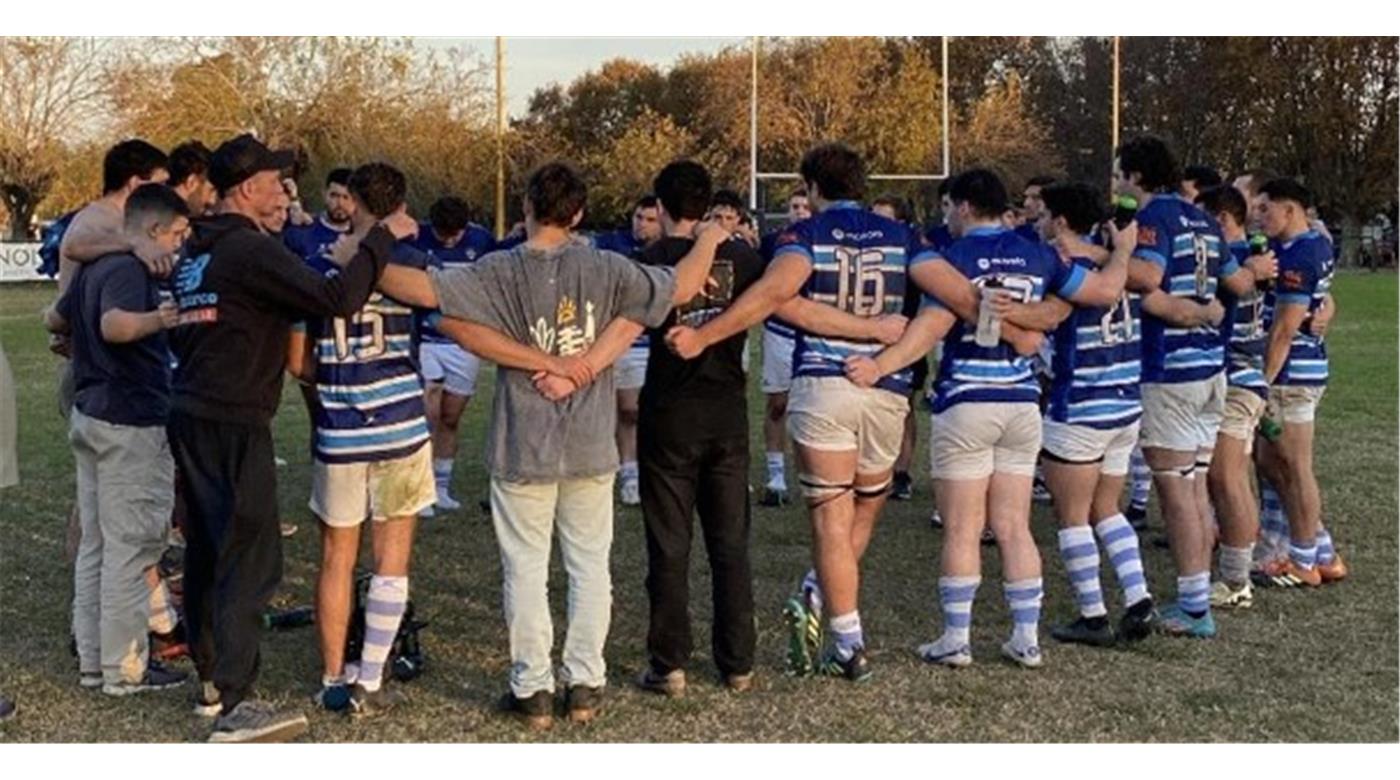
{"points": [[988, 322]]}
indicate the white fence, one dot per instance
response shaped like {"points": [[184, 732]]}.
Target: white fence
{"points": [[20, 263]]}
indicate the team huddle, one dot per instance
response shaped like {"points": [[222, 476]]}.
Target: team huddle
{"points": [[1181, 330]]}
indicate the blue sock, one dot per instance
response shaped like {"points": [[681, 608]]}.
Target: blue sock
{"points": [[812, 589], [1120, 541], [1325, 551], [1023, 599], [846, 636], [1081, 557], [1273, 523], [1193, 594], [955, 594], [384, 608], [1304, 556], [1141, 477]]}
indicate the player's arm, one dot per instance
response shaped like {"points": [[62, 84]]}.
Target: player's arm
{"points": [[1144, 276], [1288, 318], [91, 235], [494, 346], [1241, 278], [409, 286], [1182, 312], [938, 278], [55, 316], [693, 270], [612, 344], [123, 327], [928, 328], [780, 283], [1322, 318], [301, 358], [826, 320], [1044, 315], [301, 292], [1104, 286]]}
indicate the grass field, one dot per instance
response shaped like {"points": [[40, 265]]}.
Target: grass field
{"points": [[1318, 666]]}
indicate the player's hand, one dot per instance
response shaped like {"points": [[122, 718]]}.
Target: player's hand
{"points": [[169, 315], [685, 342], [1122, 239], [711, 230], [1320, 320], [553, 387], [60, 344], [298, 216], [1027, 343], [160, 267], [400, 224], [1263, 266], [862, 370], [889, 328], [575, 369], [1214, 313], [1001, 303], [344, 249]]}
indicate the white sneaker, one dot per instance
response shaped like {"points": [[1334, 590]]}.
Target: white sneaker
{"points": [[1226, 596], [630, 492], [446, 502], [427, 511], [946, 653], [1029, 657]]}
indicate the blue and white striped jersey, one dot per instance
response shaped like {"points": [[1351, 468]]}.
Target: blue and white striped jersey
{"points": [[1186, 244], [774, 325], [474, 243], [1098, 364], [1305, 268], [860, 263], [371, 395], [1243, 334], [1028, 271]]}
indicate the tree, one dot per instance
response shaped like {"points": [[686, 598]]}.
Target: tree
{"points": [[49, 89]]}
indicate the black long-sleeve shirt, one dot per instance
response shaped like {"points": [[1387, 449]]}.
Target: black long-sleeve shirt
{"points": [[239, 290]]}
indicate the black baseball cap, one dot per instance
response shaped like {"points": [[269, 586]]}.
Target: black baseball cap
{"points": [[238, 159]]}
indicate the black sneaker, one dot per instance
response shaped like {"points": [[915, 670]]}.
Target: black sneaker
{"points": [[1136, 516], [158, 677], [1095, 632], [773, 497], [1138, 621], [856, 668], [334, 698], [7, 709], [536, 711], [582, 703], [671, 685], [368, 704], [257, 721], [903, 487]]}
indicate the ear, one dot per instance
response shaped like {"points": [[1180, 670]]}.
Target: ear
{"points": [[577, 218]]}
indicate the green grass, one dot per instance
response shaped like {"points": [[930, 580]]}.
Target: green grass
{"points": [[1319, 666]]}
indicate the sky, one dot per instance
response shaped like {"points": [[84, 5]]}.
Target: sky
{"points": [[536, 62]]}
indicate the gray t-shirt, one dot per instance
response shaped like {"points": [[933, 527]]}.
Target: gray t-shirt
{"points": [[558, 301]]}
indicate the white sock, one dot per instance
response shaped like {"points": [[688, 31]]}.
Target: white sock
{"points": [[1234, 564], [1023, 599], [776, 477], [628, 471], [442, 473]]}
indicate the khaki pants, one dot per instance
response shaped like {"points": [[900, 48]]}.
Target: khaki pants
{"points": [[126, 489], [526, 516]]}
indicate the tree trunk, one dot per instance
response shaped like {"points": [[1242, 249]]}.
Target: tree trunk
{"points": [[20, 216]]}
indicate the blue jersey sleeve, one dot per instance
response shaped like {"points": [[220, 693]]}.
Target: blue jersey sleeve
{"points": [[1154, 239], [919, 249], [1064, 279], [796, 239], [1297, 275]]}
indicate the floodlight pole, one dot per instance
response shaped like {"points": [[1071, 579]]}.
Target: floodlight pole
{"points": [[500, 138], [1114, 150], [753, 125], [947, 145]]}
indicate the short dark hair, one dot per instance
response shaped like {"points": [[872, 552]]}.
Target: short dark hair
{"points": [[381, 187], [728, 198], [943, 185], [556, 193], [339, 176], [1152, 160], [981, 189], [153, 200], [1040, 180], [902, 210], [190, 158], [797, 192], [130, 158], [836, 169], [1284, 188], [647, 201], [684, 189], [1080, 204], [1224, 199], [449, 215], [1204, 176]]}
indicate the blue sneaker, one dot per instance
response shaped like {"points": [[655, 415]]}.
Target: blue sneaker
{"points": [[334, 698], [1175, 622]]}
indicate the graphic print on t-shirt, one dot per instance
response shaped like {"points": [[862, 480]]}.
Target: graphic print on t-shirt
{"points": [[566, 337]]}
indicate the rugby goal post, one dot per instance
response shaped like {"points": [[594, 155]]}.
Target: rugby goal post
{"points": [[756, 175]]}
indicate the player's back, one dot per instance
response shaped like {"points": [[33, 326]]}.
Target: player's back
{"points": [[1098, 364], [1186, 243], [367, 378], [859, 263], [996, 256], [1242, 332]]}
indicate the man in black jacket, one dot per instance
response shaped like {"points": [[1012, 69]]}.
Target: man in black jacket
{"points": [[239, 290]]}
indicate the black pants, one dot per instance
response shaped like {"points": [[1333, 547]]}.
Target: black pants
{"points": [[678, 479], [233, 551]]}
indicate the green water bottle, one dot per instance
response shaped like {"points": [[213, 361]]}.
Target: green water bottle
{"points": [[1270, 429], [1258, 245]]}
